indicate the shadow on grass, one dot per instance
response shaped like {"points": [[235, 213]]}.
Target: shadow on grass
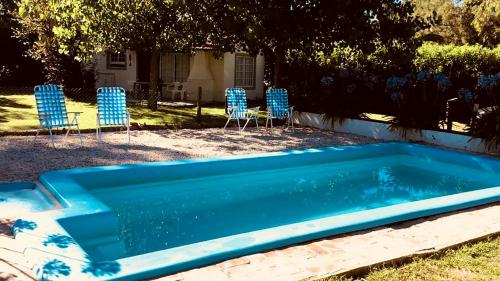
{"points": [[8, 109]]}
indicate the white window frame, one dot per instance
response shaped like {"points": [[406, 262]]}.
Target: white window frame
{"points": [[244, 71], [117, 60]]}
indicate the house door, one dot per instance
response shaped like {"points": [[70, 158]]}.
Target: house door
{"points": [[143, 66]]}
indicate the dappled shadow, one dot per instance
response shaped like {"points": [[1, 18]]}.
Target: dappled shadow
{"points": [[22, 225], [59, 240], [102, 268], [5, 102], [55, 268]]}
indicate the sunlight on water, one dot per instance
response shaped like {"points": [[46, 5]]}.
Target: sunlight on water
{"points": [[164, 215]]}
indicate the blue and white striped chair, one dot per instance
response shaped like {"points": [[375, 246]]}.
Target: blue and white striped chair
{"points": [[52, 113], [112, 109], [237, 108], [277, 107]]}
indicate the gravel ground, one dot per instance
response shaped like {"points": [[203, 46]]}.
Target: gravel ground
{"points": [[22, 159]]}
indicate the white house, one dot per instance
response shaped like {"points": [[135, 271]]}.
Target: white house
{"points": [[199, 70]]}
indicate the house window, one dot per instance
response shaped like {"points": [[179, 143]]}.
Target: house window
{"points": [[244, 71], [117, 60], [175, 67]]}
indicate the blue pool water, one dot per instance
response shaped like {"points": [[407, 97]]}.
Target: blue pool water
{"points": [[159, 218], [22, 197], [168, 214]]}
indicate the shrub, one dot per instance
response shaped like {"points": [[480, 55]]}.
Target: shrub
{"points": [[462, 64], [487, 125], [419, 100]]}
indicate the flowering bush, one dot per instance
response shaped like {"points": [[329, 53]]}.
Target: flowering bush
{"points": [[423, 75], [487, 124], [466, 95], [419, 100], [326, 81], [395, 83]]}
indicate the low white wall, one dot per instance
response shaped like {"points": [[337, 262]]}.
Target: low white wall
{"points": [[381, 131]]}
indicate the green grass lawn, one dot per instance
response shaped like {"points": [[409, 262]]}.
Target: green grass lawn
{"points": [[18, 112], [456, 126], [479, 261]]}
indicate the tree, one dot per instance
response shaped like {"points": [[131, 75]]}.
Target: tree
{"points": [[461, 22], [291, 30], [15, 68], [59, 36], [486, 20], [284, 30]]}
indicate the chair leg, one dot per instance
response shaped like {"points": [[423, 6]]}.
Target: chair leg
{"points": [[98, 133], [272, 124], [238, 121], [267, 121], [51, 137], [67, 132], [246, 123], [257, 122], [79, 134], [128, 128], [37, 133], [228, 119]]}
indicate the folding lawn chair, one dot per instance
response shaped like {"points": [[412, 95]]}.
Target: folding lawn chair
{"points": [[277, 107], [52, 113], [112, 109], [237, 108]]}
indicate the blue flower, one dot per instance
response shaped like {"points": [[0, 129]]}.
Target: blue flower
{"points": [[423, 75], [444, 83], [395, 83], [326, 81], [466, 94], [439, 76], [487, 82], [396, 96]]}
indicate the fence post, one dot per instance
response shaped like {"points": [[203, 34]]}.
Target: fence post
{"points": [[198, 106]]}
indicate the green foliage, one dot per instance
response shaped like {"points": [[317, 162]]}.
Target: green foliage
{"points": [[485, 20], [419, 101], [461, 22], [487, 124], [462, 64]]}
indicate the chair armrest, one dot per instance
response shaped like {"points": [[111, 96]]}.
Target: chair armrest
{"points": [[253, 111], [75, 112], [43, 115], [231, 108]]}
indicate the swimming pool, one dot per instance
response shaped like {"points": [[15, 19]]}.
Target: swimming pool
{"points": [[139, 221]]}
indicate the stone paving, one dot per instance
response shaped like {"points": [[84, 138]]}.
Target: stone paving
{"points": [[334, 255]]}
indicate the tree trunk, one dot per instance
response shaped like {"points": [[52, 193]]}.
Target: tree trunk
{"points": [[277, 71], [154, 75], [279, 58]]}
